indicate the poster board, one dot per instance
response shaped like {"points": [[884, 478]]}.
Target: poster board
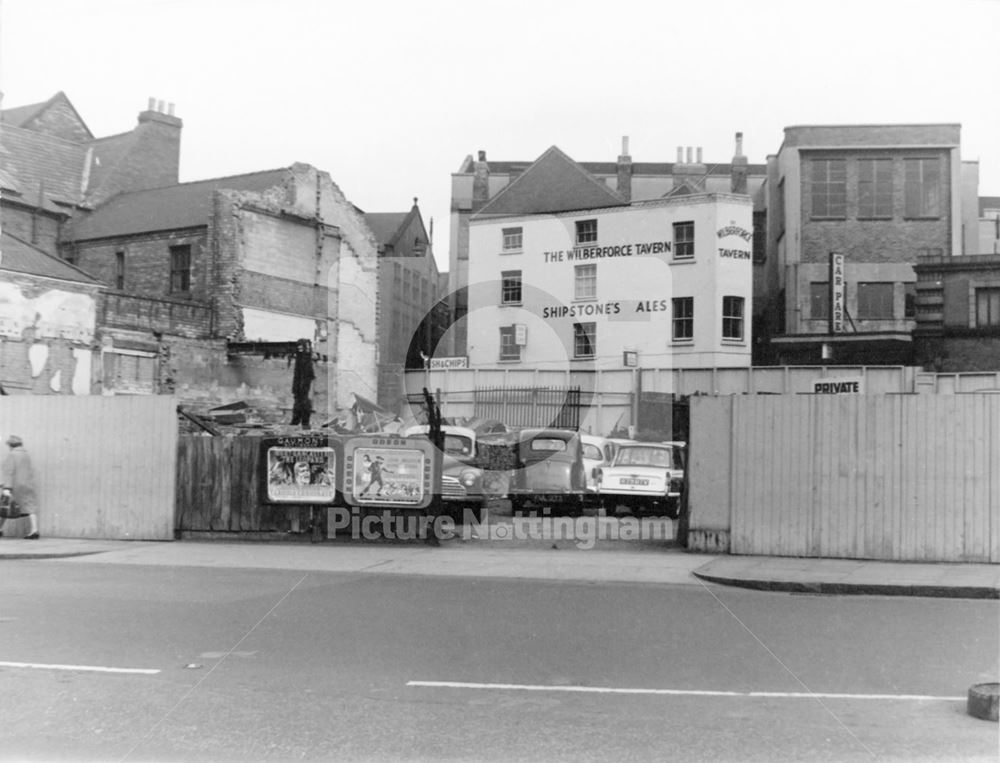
{"points": [[386, 471]]}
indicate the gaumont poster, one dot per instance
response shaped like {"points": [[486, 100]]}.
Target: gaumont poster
{"points": [[387, 471], [299, 470]]}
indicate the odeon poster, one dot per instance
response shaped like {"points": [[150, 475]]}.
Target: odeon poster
{"points": [[387, 471], [299, 470]]}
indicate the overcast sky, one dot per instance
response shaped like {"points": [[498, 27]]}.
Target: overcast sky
{"points": [[389, 97]]}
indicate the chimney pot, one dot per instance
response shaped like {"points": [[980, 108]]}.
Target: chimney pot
{"points": [[625, 145], [680, 154], [170, 109], [152, 104], [699, 154], [159, 106], [739, 144], [689, 157]]}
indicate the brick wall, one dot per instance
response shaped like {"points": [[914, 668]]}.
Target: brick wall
{"points": [[185, 319], [147, 262], [958, 354], [18, 222], [895, 240]]}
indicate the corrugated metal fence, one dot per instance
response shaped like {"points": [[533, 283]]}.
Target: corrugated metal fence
{"points": [[105, 466], [901, 477]]}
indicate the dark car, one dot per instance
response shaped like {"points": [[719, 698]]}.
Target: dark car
{"points": [[549, 471]]}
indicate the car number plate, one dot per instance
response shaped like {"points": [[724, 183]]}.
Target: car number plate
{"points": [[634, 481]]}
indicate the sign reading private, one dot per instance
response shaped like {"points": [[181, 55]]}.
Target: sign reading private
{"points": [[844, 386]]}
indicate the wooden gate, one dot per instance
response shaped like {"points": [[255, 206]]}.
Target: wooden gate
{"points": [[218, 489]]}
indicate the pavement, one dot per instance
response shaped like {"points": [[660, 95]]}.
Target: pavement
{"points": [[534, 551]]}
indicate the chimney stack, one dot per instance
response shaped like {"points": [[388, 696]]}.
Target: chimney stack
{"points": [[740, 169], [689, 171], [480, 182], [625, 171]]}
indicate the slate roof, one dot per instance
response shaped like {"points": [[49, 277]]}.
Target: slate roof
{"points": [[185, 205], [553, 183], [31, 159], [386, 225], [611, 168], [19, 116], [988, 202], [19, 256]]}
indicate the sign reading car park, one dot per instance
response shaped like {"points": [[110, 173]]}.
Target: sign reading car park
{"points": [[845, 386]]}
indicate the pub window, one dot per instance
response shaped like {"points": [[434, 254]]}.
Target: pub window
{"points": [[732, 318], [120, 270], [829, 188], [180, 268], [988, 307], [586, 231], [683, 240], [922, 187], [512, 239], [875, 300], [875, 188], [509, 349], [683, 320], [584, 340], [510, 289], [819, 300], [585, 283]]}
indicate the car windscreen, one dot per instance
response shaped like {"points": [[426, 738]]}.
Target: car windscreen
{"points": [[456, 445], [667, 458], [548, 444]]}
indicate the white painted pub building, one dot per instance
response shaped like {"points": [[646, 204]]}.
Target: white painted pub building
{"points": [[564, 273]]}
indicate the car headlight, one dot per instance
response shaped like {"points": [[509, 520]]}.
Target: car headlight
{"points": [[469, 478]]}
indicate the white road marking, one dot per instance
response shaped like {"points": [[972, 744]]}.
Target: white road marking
{"points": [[679, 692], [89, 668]]}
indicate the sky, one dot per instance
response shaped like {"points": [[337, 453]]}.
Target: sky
{"points": [[389, 97]]}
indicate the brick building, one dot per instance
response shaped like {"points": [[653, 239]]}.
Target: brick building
{"points": [[880, 196], [208, 285], [478, 181]]}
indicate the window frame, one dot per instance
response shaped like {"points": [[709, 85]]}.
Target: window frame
{"points": [[580, 276], [828, 189], [586, 231], [819, 291], [509, 333], [875, 188], [684, 245], [120, 270], [585, 331], [731, 318], [864, 297], [922, 197], [508, 237], [679, 306], [180, 269], [511, 287], [984, 297]]}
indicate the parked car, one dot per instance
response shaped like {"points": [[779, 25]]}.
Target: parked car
{"points": [[549, 471], [598, 452], [644, 478], [462, 483]]}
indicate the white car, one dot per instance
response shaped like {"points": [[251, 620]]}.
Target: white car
{"points": [[598, 452], [644, 478]]}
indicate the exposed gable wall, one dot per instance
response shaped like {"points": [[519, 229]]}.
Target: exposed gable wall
{"points": [[59, 118]]}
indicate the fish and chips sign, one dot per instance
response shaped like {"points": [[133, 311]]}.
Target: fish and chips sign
{"points": [[435, 364], [299, 470]]}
